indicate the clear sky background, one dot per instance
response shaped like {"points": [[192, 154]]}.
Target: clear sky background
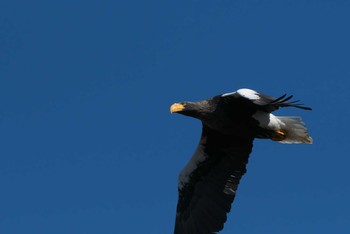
{"points": [[87, 143]]}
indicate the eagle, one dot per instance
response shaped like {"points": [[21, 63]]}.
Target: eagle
{"points": [[207, 185]]}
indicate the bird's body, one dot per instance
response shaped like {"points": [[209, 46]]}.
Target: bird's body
{"points": [[230, 123]]}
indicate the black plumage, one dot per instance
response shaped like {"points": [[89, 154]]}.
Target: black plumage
{"points": [[230, 123]]}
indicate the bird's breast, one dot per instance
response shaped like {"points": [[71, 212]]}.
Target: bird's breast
{"points": [[234, 126]]}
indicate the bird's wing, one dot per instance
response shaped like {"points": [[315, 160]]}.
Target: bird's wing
{"points": [[272, 104], [208, 183], [265, 102]]}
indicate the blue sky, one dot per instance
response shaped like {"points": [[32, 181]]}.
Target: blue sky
{"points": [[87, 141]]}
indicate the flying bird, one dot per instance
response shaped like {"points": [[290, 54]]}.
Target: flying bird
{"points": [[230, 122]]}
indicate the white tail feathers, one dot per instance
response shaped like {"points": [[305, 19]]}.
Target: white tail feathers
{"points": [[295, 130]]}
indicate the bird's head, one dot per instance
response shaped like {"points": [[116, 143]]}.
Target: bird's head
{"points": [[191, 109], [218, 113], [202, 110]]}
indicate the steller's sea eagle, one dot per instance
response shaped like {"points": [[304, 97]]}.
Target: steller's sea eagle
{"points": [[230, 122]]}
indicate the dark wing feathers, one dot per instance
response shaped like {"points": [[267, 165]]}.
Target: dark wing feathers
{"points": [[273, 104], [206, 199], [263, 102], [270, 104]]}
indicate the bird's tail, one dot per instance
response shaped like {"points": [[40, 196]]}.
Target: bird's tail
{"points": [[293, 130]]}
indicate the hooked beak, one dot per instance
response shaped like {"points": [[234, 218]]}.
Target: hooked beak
{"points": [[177, 107]]}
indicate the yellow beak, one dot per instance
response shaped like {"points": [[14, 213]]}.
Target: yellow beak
{"points": [[176, 107]]}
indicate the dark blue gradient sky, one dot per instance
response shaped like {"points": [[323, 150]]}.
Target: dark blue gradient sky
{"points": [[87, 141]]}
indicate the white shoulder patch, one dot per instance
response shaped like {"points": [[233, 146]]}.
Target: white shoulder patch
{"points": [[249, 94], [228, 94], [246, 93]]}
